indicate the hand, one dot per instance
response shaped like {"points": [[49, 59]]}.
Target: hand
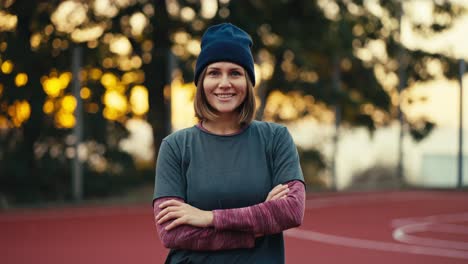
{"points": [[279, 192], [183, 214]]}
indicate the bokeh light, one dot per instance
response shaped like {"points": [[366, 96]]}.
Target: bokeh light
{"points": [[21, 79], [139, 100], [7, 67]]}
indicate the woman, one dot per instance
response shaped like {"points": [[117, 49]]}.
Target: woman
{"points": [[226, 188]]}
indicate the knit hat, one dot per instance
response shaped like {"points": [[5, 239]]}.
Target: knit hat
{"points": [[225, 42]]}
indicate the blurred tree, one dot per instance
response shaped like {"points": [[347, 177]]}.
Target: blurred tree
{"points": [[298, 44], [346, 54], [310, 55], [37, 105]]}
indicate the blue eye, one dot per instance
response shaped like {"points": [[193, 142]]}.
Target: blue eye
{"points": [[213, 73], [236, 73]]}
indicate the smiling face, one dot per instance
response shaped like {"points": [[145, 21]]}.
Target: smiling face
{"points": [[225, 87]]}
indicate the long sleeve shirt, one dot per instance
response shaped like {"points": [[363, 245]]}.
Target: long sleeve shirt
{"points": [[236, 228]]}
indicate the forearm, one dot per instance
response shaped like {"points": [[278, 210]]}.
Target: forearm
{"points": [[196, 238], [265, 218]]}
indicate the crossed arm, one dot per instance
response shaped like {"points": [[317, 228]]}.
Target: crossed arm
{"points": [[182, 226]]}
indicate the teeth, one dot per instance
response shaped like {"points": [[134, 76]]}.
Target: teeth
{"points": [[224, 95]]}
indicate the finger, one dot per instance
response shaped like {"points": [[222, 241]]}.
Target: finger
{"points": [[280, 194], [278, 188], [165, 211], [175, 223], [274, 192], [169, 216], [170, 203]]}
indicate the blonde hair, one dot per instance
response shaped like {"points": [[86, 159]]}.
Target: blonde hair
{"points": [[204, 111]]}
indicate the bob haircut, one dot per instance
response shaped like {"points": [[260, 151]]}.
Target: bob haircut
{"points": [[204, 111]]}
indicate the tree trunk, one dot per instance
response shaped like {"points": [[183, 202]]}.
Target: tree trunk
{"points": [[158, 76]]}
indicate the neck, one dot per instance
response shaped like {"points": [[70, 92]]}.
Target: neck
{"points": [[222, 126]]}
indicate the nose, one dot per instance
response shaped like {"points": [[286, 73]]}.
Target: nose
{"points": [[224, 82]]}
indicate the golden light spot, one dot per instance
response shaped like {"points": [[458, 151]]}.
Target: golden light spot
{"points": [[92, 44], [183, 114], [92, 108], [129, 77], [309, 76], [110, 113], [147, 57], [8, 21], [358, 30], [139, 100], [35, 40], [109, 80], [49, 29], [3, 46], [64, 45], [3, 122], [7, 67], [193, 46], [108, 63], [178, 50], [65, 79], [19, 111], [267, 70], [367, 109], [11, 110], [23, 110], [120, 88], [138, 22], [147, 45], [173, 8], [21, 79], [258, 74], [48, 106], [56, 43], [85, 93], [52, 87], [1, 89], [181, 37], [88, 34], [115, 101], [140, 77], [120, 45], [95, 74], [209, 8], [65, 119], [346, 64], [136, 62], [124, 63], [187, 14], [69, 103]]}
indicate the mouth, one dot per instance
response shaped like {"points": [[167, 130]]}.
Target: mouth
{"points": [[225, 95]]}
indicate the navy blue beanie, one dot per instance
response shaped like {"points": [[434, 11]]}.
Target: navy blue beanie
{"points": [[225, 42]]}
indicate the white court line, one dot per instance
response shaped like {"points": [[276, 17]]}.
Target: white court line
{"points": [[446, 218], [434, 223], [374, 245]]}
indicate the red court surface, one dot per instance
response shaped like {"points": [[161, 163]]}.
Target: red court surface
{"points": [[389, 227]]}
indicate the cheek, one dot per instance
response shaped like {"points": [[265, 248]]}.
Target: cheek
{"points": [[207, 86]]}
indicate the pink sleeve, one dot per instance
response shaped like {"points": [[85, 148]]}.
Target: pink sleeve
{"points": [[195, 238], [268, 217]]}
